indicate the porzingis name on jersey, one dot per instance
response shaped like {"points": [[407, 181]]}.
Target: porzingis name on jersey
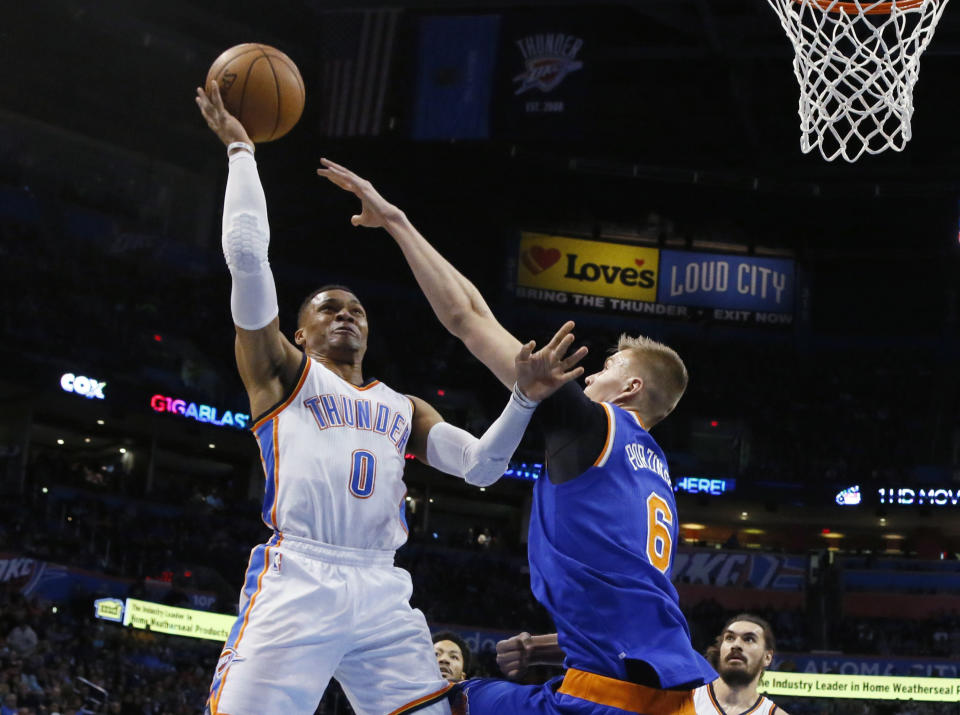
{"points": [[641, 457], [344, 411]]}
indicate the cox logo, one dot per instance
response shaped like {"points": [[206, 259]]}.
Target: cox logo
{"points": [[86, 386]]}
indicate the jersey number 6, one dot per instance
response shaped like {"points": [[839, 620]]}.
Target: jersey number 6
{"points": [[659, 538], [363, 473]]}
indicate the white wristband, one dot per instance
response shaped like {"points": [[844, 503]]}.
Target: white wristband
{"points": [[480, 461], [522, 400], [239, 145]]}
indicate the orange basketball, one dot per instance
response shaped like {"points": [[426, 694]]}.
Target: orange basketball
{"points": [[261, 87]]}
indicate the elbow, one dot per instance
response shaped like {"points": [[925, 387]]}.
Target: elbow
{"points": [[485, 473], [457, 322], [465, 323]]}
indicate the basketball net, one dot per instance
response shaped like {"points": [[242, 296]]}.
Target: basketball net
{"points": [[857, 63]]}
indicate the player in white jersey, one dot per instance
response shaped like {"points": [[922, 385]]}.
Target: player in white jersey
{"points": [[322, 597], [739, 654]]}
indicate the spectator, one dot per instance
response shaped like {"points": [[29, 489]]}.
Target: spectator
{"points": [[22, 639]]}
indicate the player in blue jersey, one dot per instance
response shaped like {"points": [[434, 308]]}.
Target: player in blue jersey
{"points": [[603, 525], [740, 653]]}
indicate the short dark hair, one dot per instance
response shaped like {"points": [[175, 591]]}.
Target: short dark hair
{"points": [[322, 289], [712, 653], [462, 644]]}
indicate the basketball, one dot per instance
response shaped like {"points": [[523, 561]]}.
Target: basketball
{"points": [[261, 87]]}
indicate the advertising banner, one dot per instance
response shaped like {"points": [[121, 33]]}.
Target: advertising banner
{"points": [[860, 687], [58, 583], [737, 568], [588, 268], [841, 664], [636, 280], [711, 280], [187, 622]]}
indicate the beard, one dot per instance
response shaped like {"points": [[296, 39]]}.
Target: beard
{"points": [[739, 675]]}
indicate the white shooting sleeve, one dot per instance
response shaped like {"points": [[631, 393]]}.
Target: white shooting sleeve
{"points": [[246, 236], [481, 461]]}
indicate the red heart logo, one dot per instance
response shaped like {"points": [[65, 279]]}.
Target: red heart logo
{"points": [[538, 258], [639, 261]]}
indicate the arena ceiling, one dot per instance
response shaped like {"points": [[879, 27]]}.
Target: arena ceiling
{"points": [[703, 85]]}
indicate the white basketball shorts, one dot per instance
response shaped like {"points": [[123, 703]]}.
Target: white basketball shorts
{"points": [[309, 612]]}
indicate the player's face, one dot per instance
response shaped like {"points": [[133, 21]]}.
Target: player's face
{"points": [[743, 653], [335, 323], [612, 380], [450, 660]]}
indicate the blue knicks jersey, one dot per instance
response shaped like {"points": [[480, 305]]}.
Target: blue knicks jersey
{"points": [[601, 550]]}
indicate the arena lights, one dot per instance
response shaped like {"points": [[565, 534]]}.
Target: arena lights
{"points": [[524, 471], [200, 413], [80, 385]]}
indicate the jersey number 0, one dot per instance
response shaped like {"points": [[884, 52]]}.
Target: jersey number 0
{"points": [[363, 473]]}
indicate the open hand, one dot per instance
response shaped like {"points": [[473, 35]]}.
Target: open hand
{"points": [[513, 655], [541, 373], [375, 211], [224, 125]]}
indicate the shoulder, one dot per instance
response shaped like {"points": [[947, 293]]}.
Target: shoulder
{"points": [[425, 415]]}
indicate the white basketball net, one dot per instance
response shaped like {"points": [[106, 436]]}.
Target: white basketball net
{"points": [[857, 63]]}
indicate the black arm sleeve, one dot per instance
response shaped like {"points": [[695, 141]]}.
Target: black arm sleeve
{"points": [[574, 431]]}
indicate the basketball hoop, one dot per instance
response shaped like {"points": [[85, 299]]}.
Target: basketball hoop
{"points": [[857, 63]]}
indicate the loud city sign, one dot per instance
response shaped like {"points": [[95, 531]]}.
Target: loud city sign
{"points": [[632, 279]]}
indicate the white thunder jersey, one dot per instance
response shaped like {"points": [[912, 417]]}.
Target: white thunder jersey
{"points": [[333, 456], [705, 702]]}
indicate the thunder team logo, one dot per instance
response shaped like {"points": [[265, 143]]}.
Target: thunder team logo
{"points": [[547, 59]]}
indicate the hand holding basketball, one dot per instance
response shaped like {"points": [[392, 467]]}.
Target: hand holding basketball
{"points": [[261, 87], [223, 124]]}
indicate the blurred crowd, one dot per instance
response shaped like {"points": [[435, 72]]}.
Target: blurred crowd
{"points": [[803, 411]]}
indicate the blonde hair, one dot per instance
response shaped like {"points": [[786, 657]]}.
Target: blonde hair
{"points": [[664, 374]]}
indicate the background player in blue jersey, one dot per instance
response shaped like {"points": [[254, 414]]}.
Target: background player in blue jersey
{"points": [[603, 525]]}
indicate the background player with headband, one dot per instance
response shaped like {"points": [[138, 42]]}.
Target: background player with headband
{"points": [[740, 653], [322, 598], [603, 523]]}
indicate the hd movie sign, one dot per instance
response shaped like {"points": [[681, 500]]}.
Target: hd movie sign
{"points": [[642, 281]]}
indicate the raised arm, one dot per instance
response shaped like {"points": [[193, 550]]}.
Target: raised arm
{"points": [[455, 300], [267, 361]]}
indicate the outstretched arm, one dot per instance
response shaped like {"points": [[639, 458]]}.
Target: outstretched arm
{"points": [[267, 361], [483, 461], [455, 300]]}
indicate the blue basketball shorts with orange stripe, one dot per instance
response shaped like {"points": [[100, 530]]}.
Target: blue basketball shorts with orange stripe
{"points": [[576, 693]]}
